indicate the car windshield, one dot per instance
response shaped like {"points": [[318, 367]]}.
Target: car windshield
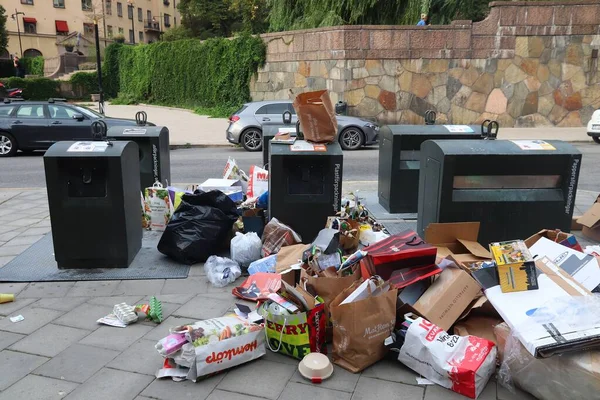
{"points": [[87, 112]]}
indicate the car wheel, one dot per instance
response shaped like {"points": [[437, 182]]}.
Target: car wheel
{"points": [[351, 139], [596, 139], [8, 145], [252, 139]]}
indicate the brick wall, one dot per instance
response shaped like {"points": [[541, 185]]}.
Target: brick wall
{"points": [[528, 63]]}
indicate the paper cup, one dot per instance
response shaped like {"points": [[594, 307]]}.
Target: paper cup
{"points": [[316, 367], [6, 298]]}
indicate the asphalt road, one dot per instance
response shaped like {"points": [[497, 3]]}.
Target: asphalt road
{"points": [[198, 164]]}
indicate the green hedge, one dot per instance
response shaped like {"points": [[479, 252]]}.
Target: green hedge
{"points": [[33, 65], [85, 82], [110, 70], [213, 73], [34, 89]]}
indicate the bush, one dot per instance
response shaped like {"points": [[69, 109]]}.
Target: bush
{"points": [[85, 82], [214, 73], [35, 88], [33, 65]]}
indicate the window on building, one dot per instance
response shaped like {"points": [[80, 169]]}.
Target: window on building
{"points": [[29, 25], [88, 29], [62, 28], [59, 3], [108, 7], [121, 31], [140, 15], [167, 20], [120, 9], [86, 5], [131, 36], [149, 16], [30, 2], [32, 53], [109, 31], [141, 35], [130, 11]]}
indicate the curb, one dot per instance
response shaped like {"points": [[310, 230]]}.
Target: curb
{"points": [[199, 146]]}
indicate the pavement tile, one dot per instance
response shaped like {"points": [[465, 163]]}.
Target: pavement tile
{"points": [[110, 384], [197, 270], [166, 389], [39, 388], [203, 308], [22, 222], [369, 388], [14, 366], [109, 301], [223, 395], [49, 340], [7, 250], [436, 392], [24, 240], [140, 287], [93, 288], [259, 378], [5, 260], [341, 379], [172, 298], [13, 233], [84, 316], [12, 287], [141, 358], [47, 289], [35, 318], [391, 370], [8, 338], [61, 303], [45, 223], [109, 337], [298, 391], [10, 308], [505, 394], [36, 231], [5, 228], [77, 363], [184, 286], [279, 358], [162, 330]]}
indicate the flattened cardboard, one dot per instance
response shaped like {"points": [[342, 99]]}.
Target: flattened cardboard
{"points": [[288, 256], [448, 297], [556, 236], [459, 240], [479, 326], [591, 223]]}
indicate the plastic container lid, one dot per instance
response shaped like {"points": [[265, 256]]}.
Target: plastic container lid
{"points": [[316, 367]]}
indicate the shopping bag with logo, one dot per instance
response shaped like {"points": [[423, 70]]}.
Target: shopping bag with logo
{"points": [[317, 116], [258, 183], [363, 316], [233, 172], [158, 206], [403, 250]]}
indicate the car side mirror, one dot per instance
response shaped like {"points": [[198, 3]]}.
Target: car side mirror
{"points": [[78, 117]]}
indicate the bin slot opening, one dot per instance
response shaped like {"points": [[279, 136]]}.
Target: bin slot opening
{"points": [[507, 182], [507, 195]]}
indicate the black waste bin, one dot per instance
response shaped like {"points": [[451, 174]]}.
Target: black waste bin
{"points": [[514, 188], [305, 187], [269, 131], [154, 154], [399, 155], [94, 201]]}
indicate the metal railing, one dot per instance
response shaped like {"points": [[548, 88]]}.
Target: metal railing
{"points": [[151, 25]]}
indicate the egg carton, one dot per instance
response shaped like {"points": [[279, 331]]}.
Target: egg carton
{"points": [[125, 313]]}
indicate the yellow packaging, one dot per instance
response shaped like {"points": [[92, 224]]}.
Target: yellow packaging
{"points": [[516, 268]]}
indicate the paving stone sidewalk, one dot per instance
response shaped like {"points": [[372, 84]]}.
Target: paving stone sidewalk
{"points": [[59, 351]]}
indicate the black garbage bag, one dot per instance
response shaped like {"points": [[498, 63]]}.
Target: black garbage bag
{"points": [[198, 227]]}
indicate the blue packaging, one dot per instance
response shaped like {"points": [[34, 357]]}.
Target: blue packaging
{"points": [[266, 264]]}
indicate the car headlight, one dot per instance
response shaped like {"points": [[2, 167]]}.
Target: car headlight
{"points": [[372, 126]]}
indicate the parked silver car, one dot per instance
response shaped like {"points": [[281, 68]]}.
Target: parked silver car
{"points": [[245, 125]]}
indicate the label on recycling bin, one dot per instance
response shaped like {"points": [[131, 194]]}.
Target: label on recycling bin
{"points": [[88, 147], [134, 131], [459, 128], [302, 145], [533, 145]]}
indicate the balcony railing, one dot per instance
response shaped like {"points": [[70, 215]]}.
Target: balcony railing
{"points": [[150, 25], [166, 2]]}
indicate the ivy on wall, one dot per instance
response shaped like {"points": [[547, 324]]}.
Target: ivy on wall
{"points": [[212, 73]]}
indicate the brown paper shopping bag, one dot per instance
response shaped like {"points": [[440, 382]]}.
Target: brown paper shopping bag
{"points": [[317, 116], [361, 327]]}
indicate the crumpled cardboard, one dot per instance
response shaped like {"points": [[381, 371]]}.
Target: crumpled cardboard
{"points": [[590, 222], [458, 241]]}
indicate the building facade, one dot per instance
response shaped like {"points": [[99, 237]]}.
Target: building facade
{"points": [[51, 27]]}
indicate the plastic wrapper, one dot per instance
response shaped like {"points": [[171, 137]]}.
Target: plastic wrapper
{"points": [[221, 271], [572, 375], [198, 227], [245, 248], [212, 346], [276, 235], [266, 264]]}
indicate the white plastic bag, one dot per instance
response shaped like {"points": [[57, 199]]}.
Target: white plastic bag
{"points": [[245, 248], [221, 271], [259, 182]]}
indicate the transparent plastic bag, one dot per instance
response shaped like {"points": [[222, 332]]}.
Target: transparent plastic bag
{"points": [[245, 248], [221, 271], [571, 375]]}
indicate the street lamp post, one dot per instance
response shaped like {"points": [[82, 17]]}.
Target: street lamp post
{"points": [[132, 6], [99, 68], [15, 16]]}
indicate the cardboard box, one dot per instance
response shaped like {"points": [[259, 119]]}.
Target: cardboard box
{"points": [[516, 270], [457, 240], [590, 222], [564, 238], [448, 297]]}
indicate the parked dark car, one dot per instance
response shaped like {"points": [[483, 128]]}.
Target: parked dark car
{"points": [[37, 125]]}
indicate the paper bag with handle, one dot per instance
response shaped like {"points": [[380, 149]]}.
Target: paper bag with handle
{"points": [[317, 116]]}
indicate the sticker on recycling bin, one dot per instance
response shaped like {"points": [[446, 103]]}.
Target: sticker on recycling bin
{"points": [[533, 145], [459, 128], [302, 145], [88, 147], [134, 131]]}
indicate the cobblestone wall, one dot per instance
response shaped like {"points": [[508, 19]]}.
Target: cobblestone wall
{"points": [[527, 64]]}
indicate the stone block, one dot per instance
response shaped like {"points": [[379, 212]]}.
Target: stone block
{"points": [[14, 366], [109, 382], [574, 55], [536, 46], [68, 364], [484, 84], [369, 107], [370, 388], [387, 100], [461, 97], [427, 39], [110, 338], [298, 43], [531, 104], [573, 119], [522, 46], [443, 106], [476, 102], [300, 391], [563, 15], [299, 81], [545, 105], [186, 286], [38, 387], [49, 340], [460, 115], [540, 16], [311, 41], [412, 65], [420, 106], [139, 287], [586, 15], [437, 94], [358, 73], [557, 114], [355, 40], [373, 91], [578, 81], [401, 39], [35, 318], [79, 316], [93, 288], [165, 390], [420, 85], [484, 42], [469, 75], [453, 86], [532, 83], [243, 379], [496, 102], [409, 117], [437, 79], [382, 39], [374, 67], [403, 100], [388, 83], [392, 67], [141, 358], [514, 74], [462, 39]]}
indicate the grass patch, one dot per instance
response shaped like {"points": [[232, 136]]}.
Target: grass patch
{"points": [[215, 112]]}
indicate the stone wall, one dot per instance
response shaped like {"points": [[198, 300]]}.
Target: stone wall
{"points": [[527, 64]]}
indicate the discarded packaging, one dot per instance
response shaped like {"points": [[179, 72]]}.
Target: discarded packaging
{"points": [[566, 239], [258, 183], [266, 264], [458, 240], [316, 115], [591, 222], [233, 172], [232, 188], [6, 298], [277, 235], [17, 318], [221, 271], [516, 270], [245, 248], [158, 207], [258, 286], [316, 367]]}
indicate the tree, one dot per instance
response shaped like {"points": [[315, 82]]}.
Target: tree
{"points": [[3, 31]]}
